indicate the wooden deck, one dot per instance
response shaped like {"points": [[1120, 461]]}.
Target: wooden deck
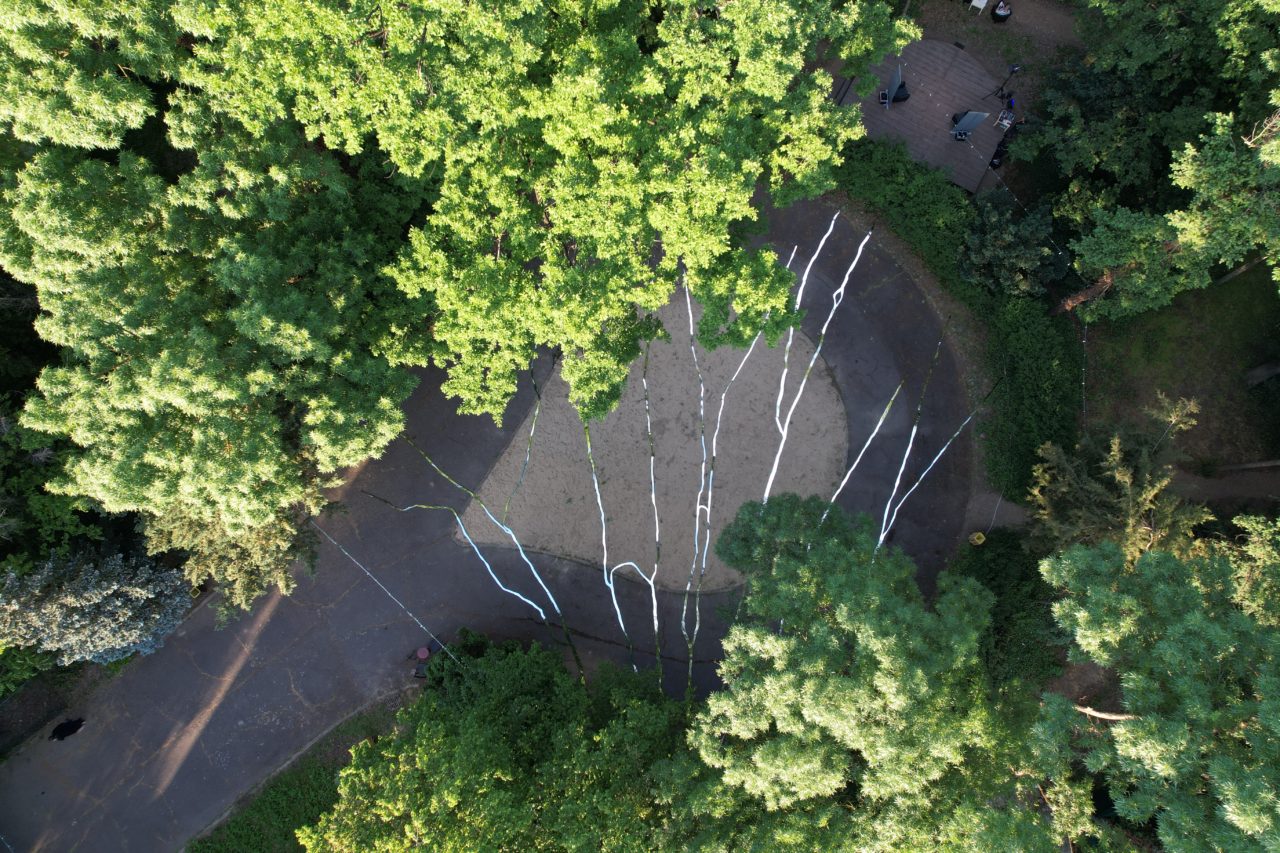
{"points": [[942, 80]]}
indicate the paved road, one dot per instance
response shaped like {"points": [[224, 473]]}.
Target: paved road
{"points": [[172, 742]]}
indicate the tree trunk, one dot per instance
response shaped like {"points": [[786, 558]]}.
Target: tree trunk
{"points": [[1262, 373], [1075, 300], [1243, 268]]}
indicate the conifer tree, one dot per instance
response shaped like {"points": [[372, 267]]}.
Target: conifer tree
{"points": [[78, 73], [1195, 746], [92, 608], [843, 688], [1114, 487]]}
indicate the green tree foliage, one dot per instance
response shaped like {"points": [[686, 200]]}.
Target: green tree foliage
{"points": [[20, 664], [1197, 747], [1005, 252], [508, 751], [588, 155], [1115, 488], [841, 685], [220, 331], [243, 564], [1035, 359], [1032, 355], [1256, 562], [87, 608], [1234, 182], [1165, 135], [33, 522], [289, 203], [75, 73]]}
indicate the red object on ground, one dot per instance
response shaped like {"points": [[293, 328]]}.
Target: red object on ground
{"points": [[424, 653]]}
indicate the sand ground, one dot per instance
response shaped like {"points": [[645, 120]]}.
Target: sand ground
{"points": [[555, 511]]}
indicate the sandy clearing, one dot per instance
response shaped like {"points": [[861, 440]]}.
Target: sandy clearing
{"points": [[555, 511]]}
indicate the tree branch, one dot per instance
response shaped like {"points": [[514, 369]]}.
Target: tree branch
{"points": [[1104, 715]]}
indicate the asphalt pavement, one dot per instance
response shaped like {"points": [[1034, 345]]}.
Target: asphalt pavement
{"points": [[170, 744]]}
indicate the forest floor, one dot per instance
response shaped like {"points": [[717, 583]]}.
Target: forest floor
{"points": [[1198, 348]]}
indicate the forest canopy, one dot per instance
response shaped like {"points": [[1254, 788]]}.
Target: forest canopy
{"points": [[245, 222]]}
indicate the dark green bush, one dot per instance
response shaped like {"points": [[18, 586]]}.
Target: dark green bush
{"points": [[1036, 361], [919, 203], [1022, 646], [20, 664], [1009, 251]]}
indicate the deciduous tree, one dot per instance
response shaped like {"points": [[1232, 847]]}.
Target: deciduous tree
{"points": [[588, 155], [505, 750], [1160, 132], [220, 333]]}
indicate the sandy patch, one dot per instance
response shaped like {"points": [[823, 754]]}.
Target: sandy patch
{"points": [[555, 511]]}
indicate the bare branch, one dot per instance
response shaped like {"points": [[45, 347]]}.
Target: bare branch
{"points": [[1104, 715]]}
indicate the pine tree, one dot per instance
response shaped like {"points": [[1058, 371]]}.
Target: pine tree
{"points": [[89, 608], [1195, 746], [1115, 488], [842, 687], [76, 73], [1164, 134]]}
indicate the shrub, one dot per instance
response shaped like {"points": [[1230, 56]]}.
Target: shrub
{"points": [[92, 609], [1009, 252], [1022, 640], [1036, 362], [18, 665], [919, 203]]}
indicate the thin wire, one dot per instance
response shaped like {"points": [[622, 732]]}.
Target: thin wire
{"points": [[1084, 359], [994, 512], [383, 587], [528, 451], [501, 526]]}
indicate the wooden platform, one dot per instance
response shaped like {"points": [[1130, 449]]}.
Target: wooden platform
{"points": [[942, 80]]}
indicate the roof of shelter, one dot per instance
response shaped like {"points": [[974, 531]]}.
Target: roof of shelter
{"points": [[942, 81]]}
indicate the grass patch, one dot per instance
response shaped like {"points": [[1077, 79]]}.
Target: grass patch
{"points": [[1023, 645], [265, 822], [1199, 347]]}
